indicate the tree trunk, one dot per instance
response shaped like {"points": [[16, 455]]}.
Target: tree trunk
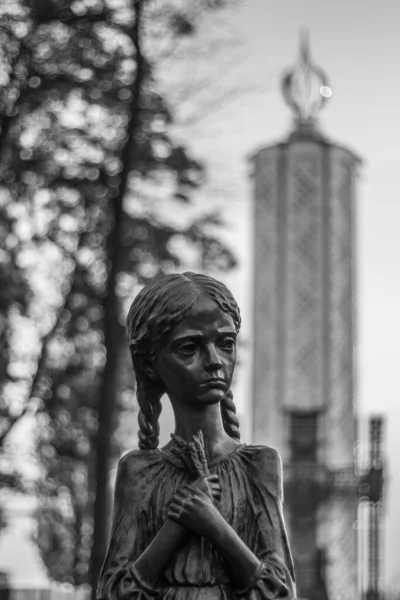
{"points": [[111, 322]]}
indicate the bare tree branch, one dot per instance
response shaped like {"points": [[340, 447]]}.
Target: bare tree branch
{"points": [[41, 364], [215, 105]]}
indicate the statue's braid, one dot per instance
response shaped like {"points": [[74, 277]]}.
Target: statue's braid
{"points": [[150, 409], [229, 418]]}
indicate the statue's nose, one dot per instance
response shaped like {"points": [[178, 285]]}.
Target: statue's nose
{"points": [[213, 359]]}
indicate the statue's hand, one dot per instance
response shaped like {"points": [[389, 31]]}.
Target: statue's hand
{"points": [[209, 485], [194, 509]]}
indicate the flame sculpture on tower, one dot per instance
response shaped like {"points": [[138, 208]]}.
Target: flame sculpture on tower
{"points": [[304, 335]]}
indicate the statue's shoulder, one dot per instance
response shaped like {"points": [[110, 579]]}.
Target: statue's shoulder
{"points": [[265, 456], [137, 461], [132, 474], [267, 467]]}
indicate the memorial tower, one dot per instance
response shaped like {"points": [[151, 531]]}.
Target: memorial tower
{"points": [[304, 333]]}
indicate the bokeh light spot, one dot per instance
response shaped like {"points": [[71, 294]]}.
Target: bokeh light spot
{"points": [[325, 91]]}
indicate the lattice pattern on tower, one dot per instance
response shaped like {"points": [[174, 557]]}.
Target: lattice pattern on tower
{"points": [[304, 319], [341, 316], [265, 293]]}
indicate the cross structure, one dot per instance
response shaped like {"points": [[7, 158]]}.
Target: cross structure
{"points": [[304, 335], [371, 491]]}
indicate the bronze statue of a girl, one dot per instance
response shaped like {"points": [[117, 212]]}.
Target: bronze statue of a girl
{"points": [[200, 518]]}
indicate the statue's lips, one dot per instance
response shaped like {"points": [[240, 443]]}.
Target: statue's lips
{"points": [[214, 383]]}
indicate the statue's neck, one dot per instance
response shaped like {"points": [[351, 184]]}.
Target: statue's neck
{"points": [[189, 418]]}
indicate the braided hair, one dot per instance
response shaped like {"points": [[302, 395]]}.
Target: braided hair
{"points": [[155, 311]]}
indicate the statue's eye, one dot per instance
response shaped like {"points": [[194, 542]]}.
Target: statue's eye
{"points": [[187, 349], [228, 343]]}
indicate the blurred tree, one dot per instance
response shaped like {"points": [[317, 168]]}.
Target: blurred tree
{"points": [[86, 150]]}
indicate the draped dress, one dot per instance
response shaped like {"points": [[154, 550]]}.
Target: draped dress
{"points": [[251, 502]]}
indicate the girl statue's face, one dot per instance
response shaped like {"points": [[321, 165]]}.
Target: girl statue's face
{"points": [[197, 360]]}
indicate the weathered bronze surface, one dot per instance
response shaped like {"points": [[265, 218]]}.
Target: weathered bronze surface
{"points": [[200, 518]]}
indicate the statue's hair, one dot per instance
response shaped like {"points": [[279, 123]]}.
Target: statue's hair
{"points": [[155, 311]]}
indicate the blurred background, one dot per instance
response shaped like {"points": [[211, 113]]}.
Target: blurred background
{"points": [[145, 137]]}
